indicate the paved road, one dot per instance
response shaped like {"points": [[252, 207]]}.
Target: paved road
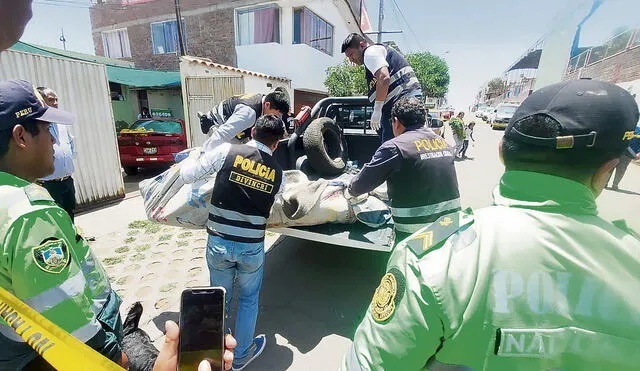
{"points": [[314, 295]]}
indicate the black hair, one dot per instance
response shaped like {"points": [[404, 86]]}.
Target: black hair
{"points": [[279, 99], [42, 90], [576, 164], [352, 41], [409, 111], [268, 130], [31, 126]]}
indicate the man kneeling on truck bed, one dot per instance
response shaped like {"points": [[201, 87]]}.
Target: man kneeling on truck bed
{"points": [[248, 179], [418, 167], [234, 117]]}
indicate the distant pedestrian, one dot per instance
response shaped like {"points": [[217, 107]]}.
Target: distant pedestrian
{"points": [[145, 114], [468, 131], [60, 183], [457, 127], [625, 160]]}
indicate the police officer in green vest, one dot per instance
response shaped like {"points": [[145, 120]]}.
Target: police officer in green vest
{"points": [[44, 261], [537, 281]]}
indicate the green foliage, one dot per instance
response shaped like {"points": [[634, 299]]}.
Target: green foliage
{"points": [[346, 80], [432, 72], [349, 80], [496, 86]]}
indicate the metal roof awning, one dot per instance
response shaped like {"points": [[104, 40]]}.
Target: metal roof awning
{"points": [[531, 60], [118, 71], [136, 78]]}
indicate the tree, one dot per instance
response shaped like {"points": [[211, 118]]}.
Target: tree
{"points": [[432, 72], [346, 80], [349, 80], [496, 86]]}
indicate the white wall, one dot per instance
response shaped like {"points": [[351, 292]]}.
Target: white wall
{"points": [[167, 99], [301, 63]]}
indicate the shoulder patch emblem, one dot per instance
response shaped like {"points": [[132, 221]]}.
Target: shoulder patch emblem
{"points": [[387, 295], [35, 193], [52, 256]]}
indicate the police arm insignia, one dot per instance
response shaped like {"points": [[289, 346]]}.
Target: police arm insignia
{"points": [[52, 256], [387, 295]]}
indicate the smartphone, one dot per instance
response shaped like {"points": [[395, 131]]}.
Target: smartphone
{"points": [[201, 328]]}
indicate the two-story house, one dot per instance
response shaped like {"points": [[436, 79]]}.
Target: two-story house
{"points": [[296, 39]]}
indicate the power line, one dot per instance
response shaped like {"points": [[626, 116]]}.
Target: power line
{"points": [[408, 25]]}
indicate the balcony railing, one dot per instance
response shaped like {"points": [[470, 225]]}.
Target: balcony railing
{"points": [[615, 45]]}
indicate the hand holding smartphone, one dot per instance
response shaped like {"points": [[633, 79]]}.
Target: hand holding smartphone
{"points": [[201, 328]]}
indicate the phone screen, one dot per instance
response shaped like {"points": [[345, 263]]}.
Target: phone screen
{"points": [[201, 328]]}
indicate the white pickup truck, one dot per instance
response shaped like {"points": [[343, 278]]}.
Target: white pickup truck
{"points": [[329, 137]]}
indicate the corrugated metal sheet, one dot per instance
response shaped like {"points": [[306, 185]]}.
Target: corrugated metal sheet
{"points": [[83, 89], [204, 93]]}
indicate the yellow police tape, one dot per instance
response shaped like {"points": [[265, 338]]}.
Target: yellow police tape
{"points": [[57, 347]]}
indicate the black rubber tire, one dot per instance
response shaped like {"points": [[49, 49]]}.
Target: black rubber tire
{"points": [[324, 147], [131, 170]]}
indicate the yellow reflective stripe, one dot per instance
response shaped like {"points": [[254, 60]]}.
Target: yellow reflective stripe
{"points": [[60, 349]]}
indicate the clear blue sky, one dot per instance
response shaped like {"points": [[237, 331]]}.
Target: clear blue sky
{"points": [[478, 39]]}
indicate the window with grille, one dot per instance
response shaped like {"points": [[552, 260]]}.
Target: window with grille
{"points": [[310, 29], [258, 25], [116, 43]]}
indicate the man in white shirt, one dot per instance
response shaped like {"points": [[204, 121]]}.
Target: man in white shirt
{"points": [[389, 77], [60, 183]]}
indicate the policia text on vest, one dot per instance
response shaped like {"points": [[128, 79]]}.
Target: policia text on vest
{"points": [[255, 168]]}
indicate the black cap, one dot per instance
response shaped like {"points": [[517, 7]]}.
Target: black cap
{"points": [[591, 114], [20, 101]]}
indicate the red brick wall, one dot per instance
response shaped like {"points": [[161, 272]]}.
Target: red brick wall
{"points": [[619, 68], [210, 35]]}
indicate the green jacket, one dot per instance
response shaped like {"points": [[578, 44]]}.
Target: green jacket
{"points": [[536, 282], [46, 264], [457, 126]]}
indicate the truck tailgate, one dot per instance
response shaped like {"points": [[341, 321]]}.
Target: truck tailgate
{"points": [[355, 235]]}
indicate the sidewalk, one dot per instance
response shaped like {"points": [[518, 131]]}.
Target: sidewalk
{"points": [[146, 261]]}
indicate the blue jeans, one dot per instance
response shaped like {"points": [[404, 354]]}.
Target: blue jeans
{"points": [[243, 262]]}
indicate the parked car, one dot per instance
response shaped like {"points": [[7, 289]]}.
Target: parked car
{"points": [[487, 112], [502, 114], [151, 142]]}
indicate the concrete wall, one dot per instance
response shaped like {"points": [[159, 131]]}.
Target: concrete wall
{"points": [[167, 99], [618, 68], [209, 29], [210, 33], [301, 63], [127, 109]]}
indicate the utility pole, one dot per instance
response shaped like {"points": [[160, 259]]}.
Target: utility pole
{"points": [[63, 39], [179, 24], [380, 19]]}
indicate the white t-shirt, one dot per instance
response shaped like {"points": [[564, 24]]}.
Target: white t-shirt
{"points": [[375, 57]]}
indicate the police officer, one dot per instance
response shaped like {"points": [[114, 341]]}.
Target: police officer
{"points": [[389, 78], [535, 282], [233, 118], [45, 263], [418, 167], [248, 179]]}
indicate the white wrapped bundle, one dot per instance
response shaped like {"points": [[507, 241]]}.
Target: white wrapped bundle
{"points": [[304, 202]]}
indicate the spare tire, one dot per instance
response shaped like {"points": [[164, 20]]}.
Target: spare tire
{"points": [[324, 147]]}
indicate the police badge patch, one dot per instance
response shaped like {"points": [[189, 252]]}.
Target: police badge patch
{"points": [[52, 256], [387, 295]]}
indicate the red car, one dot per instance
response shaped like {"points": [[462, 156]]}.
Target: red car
{"points": [[151, 142]]}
